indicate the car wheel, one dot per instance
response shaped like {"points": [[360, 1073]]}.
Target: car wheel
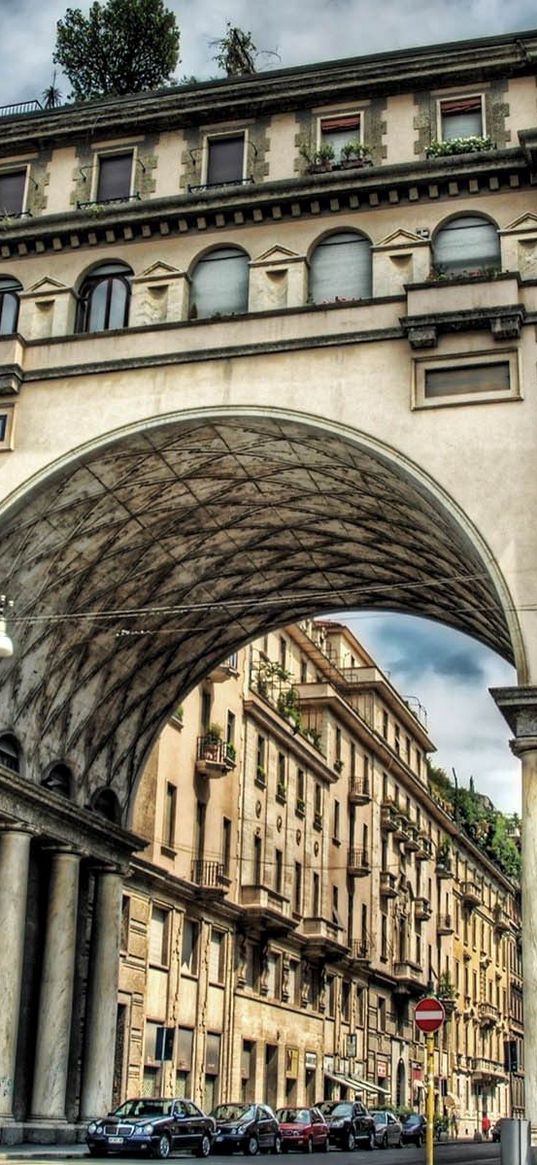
{"points": [[324, 1146], [204, 1147], [252, 1147], [277, 1146], [399, 1143], [163, 1147], [371, 1142], [419, 1141], [351, 1141], [384, 1142]]}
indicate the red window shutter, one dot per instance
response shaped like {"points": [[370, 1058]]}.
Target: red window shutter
{"points": [[461, 105], [330, 124]]}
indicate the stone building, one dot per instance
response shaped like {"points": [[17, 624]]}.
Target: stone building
{"points": [[267, 348], [302, 888]]}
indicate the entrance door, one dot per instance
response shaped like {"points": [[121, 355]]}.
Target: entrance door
{"points": [[271, 1075]]}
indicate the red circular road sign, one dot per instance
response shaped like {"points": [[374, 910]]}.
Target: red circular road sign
{"points": [[429, 1014]]}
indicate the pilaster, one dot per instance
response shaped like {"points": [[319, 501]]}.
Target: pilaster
{"points": [[14, 861]]}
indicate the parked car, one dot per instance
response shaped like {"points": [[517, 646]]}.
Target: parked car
{"points": [[414, 1127], [495, 1131], [157, 1126], [349, 1124], [302, 1128], [249, 1127], [388, 1129]]}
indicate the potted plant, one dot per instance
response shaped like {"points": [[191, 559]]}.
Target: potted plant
{"points": [[355, 153], [474, 144], [212, 741], [260, 775], [318, 159]]}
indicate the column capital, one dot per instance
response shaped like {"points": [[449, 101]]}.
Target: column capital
{"points": [[519, 708]]}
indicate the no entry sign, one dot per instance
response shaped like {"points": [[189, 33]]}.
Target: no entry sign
{"points": [[429, 1014]]}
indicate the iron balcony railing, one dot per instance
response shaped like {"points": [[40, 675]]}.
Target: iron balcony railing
{"points": [[209, 874], [20, 107]]}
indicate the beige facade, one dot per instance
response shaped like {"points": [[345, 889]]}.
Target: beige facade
{"points": [[302, 889], [297, 387]]}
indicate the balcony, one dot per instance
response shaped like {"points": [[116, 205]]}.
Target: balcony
{"points": [[214, 758], [471, 893], [323, 937], [443, 866], [487, 1014], [359, 792], [408, 978], [362, 950], [358, 863], [425, 848], [412, 843], [471, 301], [210, 877], [488, 1071], [501, 920], [387, 884], [445, 924], [402, 827], [422, 909], [389, 818], [266, 910], [226, 670]]}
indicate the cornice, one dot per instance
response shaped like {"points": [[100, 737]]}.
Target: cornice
{"points": [[310, 195], [261, 94]]}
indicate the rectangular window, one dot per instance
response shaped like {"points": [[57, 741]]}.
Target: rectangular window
{"points": [[158, 937], [226, 845], [7, 416], [461, 117], [338, 744], [225, 159], [282, 775], [346, 1000], [297, 889], [217, 956], [189, 955], [335, 906], [278, 870], [261, 760], [339, 130], [336, 820], [258, 861], [12, 187], [212, 1070], [381, 1014], [315, 896], [115, 177], [168, 825], [480, 378], [385, 723], [230, 727], [125, 922], [300, 789], [331, 992], [184, 1061]]}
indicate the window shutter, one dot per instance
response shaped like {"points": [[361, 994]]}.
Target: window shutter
{"points": [[12, 192], [157, 935], [226, 160], [220, 284], [114, 177], [467, 244], [341, 269]]}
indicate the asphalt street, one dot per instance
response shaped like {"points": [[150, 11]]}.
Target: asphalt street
{"points": [[454, 1153]]}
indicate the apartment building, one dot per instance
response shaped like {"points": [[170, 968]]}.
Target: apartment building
{"points": [[302, 889]]}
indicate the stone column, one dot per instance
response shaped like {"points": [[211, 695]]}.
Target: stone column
{"points": [[14, 859], [56, 994], [101, 1007], [519, 706]]}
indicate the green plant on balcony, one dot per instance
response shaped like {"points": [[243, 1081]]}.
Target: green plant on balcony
{"points": [[288, 706], [439, 274], [314, 736], [355, 153], [260, 775], [281, 791], [300, 806], [231, 753], [443, 854], [470, 145], [446, 989], [214, 733], [321, 158], [339, 765]]}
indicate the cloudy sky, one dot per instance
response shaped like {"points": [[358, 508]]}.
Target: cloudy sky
{"points": [[301, 31], [448, 672]]}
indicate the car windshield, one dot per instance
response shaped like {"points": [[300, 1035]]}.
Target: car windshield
{"points": [[143, 1108], [298, 1116], [341, 1110], [379, 1118], [233, 1112], [414, 1119]]}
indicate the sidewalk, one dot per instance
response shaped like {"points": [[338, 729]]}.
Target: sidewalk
{"points": [[30, 1152]]}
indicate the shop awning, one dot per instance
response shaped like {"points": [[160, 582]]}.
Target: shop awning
{"points": [[356, 1084]]}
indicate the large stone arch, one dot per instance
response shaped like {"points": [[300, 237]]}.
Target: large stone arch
{"points": [[144, 559]]}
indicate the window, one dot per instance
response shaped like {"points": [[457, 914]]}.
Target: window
{"points": [[467, 243], [104, 297], [336, 821], [337, 131], [168, 825], [125, 922], [226, 845], [205, 711], [189, 955], [12, 187], [331, 992], [158, 937], [115, 177], [460, 117], [476, 379], [217, 956], [220, 284], [258, 857], [9, 306], [212, 1070], [282, 775], [316, 896], [185, 1037], [282, 652], [335, 906], [225, 159], [297, 888], [346, 989], [341, 268], [381, 1014], [278, 870], [300, 789], [230, 728], [261, 760], [385, 723]]}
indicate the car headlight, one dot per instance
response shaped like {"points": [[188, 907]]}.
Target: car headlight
{"points": [[337, 1124], [92, 1128], [148, 1129], [99, 1128]]}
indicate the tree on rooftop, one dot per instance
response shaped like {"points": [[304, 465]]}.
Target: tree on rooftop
{"points": [[236, 52], [121, 46]]}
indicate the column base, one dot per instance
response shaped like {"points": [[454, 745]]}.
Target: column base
{"points": [[52, 1132], [11, 1131]]}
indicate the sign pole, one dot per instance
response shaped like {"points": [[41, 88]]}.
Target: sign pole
{"points": [[429, 1132]]}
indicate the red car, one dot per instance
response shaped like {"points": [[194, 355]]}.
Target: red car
{"points": [[302, 1128]]}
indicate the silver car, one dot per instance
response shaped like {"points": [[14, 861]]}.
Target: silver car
{"points": [[388, 1130]]}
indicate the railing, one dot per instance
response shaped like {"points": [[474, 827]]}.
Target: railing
{"points": [[218, 185], [362, 949], [358, 859], [20, 107], [388, 885], [360, 790], [108, 201], [217, 752], [471, 891], [211, 874]]}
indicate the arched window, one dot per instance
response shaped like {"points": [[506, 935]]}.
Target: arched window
{"points": [[58, 780], [9, 306], [341, 268], [106, 803], [10, 752], [467, 243], [104, 298], [220, 284]]}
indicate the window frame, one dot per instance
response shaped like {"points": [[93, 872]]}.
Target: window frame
{"points": [[96, 171], [459, 97], [92, 280], [220, 135], [5, 171], [348, 114], [422, 365]]}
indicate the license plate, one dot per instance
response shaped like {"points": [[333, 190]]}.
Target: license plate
{"points": [[116, 1140]]}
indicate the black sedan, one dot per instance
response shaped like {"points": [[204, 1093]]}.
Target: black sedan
{"points": [[156, 1126], [248, 1127], [414, 1127], [349, 1124]]}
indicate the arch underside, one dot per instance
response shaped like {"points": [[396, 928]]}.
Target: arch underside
{"points": [[214, 531]]}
